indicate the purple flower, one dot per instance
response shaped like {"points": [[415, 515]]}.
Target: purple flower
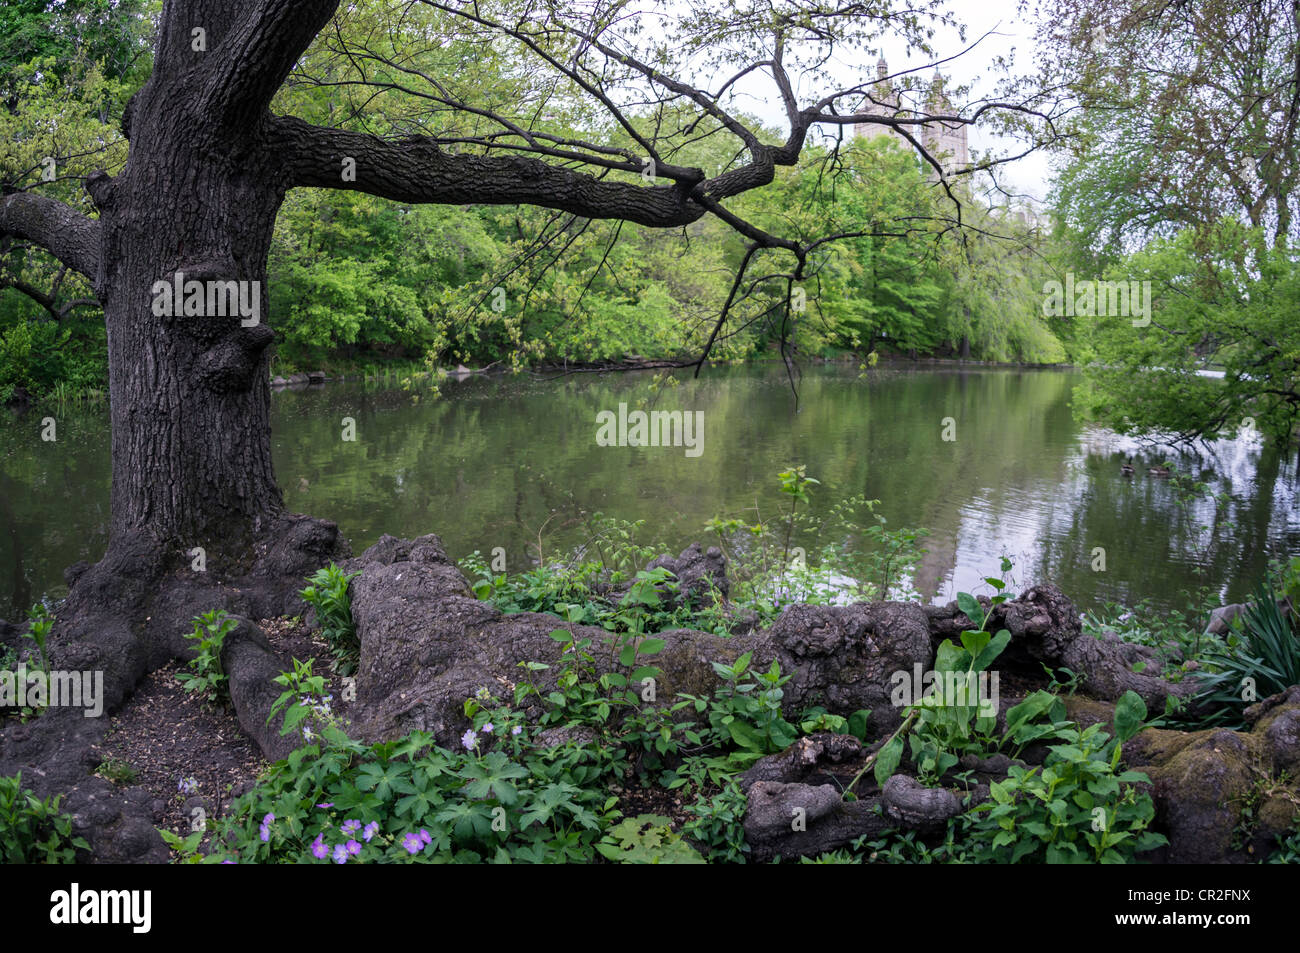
{"points": [[340, 854], [371, 830], [469, 740], [353, 848], [266, 833], [515, 730], [350, 827], [270, 818], [424, 836], [488, 727], [412, 843], [319, 849], [326, 804]]}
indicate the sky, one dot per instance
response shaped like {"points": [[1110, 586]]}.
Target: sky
{"points": [[1009, 33]]}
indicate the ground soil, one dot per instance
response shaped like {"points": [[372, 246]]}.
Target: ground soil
{"points": [[164, 736]]}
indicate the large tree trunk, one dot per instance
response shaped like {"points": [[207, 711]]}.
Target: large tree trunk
{"points": [[189, 394]]}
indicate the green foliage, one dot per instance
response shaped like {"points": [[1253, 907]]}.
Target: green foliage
{"points": [[951, 719], [38, 631], [647, 839], [33, 831], [1078, 808], [1288, 847], [116, 770], [859, 557], [841, 856], [1260, 660], [719, 824], [580, 593], [327, 593], [1177, 635], [66, 71], [521, 801], [1219, 354], [747, 713], [305, 705], [356, 280], [186, 848], [206, 674]]}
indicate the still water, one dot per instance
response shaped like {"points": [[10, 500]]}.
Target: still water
{"points": [[502, 461]]}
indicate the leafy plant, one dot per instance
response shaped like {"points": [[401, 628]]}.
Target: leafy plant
{"points": [[908, 847], [186, 848], [116, 770], [647, 839], [951, 719], [1078, 808], [206, 674], [339, 800], [327, 593], [1288, 846], [719, 824], [38, 631], [747, 713], [1263, 659], [33, 831], [303, 700]]}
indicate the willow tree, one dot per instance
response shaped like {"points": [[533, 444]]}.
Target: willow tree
{"points": [[580, 129]]}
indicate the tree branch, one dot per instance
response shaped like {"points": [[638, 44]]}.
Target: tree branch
{"points": [[65, 233], [252, 63], [416, 170]]}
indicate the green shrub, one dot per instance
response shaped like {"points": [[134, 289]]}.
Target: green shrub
{"points": [[719, 824], [33, 831], [747, 713], [647, 839], [1263, 659], [206, 675], [327, 593], [410, 801], [1078, 808]]}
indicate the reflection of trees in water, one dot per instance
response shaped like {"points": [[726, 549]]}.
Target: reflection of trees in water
{"points": [[486, 465], [53, 500]]}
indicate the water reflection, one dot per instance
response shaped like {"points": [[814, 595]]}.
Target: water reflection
{"points": [[511, 462]]}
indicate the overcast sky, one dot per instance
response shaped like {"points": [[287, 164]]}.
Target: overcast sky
{"points": [[1029, 175]]}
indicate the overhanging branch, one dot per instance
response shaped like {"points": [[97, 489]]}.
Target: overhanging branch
{"points": [[65, 233], [416, 170]]}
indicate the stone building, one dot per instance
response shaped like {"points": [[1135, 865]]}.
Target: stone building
{"points": [[945, 141]]}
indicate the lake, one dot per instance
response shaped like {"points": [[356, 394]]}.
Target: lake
{"points": [[502, 460]]}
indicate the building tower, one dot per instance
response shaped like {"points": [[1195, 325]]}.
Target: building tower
{"points": [[947, 142]]}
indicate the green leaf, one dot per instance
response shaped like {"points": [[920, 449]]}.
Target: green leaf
{"points": [[888, 759], [1130, 715], [971, 607], [991, 651], [744, 735]]}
